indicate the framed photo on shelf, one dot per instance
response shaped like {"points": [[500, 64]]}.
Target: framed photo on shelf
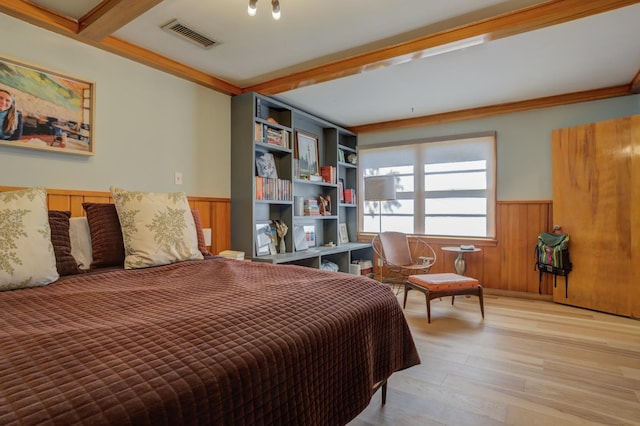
{"points": [[265, 239], [306, 151], [299, 238], [341, 190], [266, 165], [310, 235], [343, 234], [51, 111]]}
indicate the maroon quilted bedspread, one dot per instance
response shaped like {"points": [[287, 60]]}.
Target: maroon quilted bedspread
{"points": [[203, 342]]}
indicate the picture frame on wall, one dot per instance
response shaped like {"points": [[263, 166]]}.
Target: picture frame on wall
{"points": [[51, 111], [306, 151]]}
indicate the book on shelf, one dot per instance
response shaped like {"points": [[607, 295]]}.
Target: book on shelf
{"points": [[328, 174], [341, 156], [266, 165], [350, 196], [311, 207], [272, 189], [259, 137]]}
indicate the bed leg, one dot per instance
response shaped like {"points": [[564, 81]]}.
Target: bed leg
{"points": [[384, 392]]}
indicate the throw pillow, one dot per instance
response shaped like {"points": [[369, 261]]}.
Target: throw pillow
{"points": [[106, 235], [80, 237], [59, 223], [157, 228], [26, 253]]}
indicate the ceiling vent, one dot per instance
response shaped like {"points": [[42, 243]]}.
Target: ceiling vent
{"points": [[186, 32]]}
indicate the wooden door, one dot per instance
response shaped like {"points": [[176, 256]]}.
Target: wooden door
{"points": [[596, 200]]}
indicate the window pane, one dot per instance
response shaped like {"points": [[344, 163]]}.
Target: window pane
{"points": [[456, 206], [455, 167], [397, 215], [455, 181], [404, 184], [456, 226]]}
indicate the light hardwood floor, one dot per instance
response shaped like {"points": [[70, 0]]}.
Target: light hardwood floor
{"points": [[529, 362]]}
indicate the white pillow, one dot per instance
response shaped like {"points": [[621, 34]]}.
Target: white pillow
{"points": [[26, 253], [80, 242], [157, 228]]}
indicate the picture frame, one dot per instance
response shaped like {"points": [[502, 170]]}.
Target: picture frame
{"points": [[341, 190], [306, 151], [310, 235], [265, 239], [266, 165], [53, 111], [343, 234], [299, 238]]}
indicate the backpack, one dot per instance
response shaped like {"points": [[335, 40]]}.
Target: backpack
{"points": [[552, 256]]}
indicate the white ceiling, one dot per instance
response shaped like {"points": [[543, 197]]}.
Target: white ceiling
{"points": [[590, 53]]}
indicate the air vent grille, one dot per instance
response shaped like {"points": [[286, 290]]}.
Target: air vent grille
{"points": [[187, 32]]}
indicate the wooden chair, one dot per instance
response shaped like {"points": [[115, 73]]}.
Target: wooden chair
{"points": [[400, 259], [441, 285]]}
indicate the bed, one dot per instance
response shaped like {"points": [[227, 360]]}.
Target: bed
{"points": [[206, 341]]}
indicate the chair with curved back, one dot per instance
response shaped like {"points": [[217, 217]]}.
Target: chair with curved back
{"points": [[400, 259]]}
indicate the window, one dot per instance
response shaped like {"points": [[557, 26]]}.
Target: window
{"points": [[444, 187]]}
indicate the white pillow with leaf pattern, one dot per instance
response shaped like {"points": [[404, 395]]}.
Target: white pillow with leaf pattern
{"points": [[26, 253], [157, 228]]}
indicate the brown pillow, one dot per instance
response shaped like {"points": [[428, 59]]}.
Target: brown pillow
{"points": [[106, 235], [201, 244], [59, 223]]}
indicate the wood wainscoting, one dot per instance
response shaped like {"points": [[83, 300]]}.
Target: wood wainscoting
{"points": [[506, 263], [215, 213]]}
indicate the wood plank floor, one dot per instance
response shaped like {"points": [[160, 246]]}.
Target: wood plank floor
{"points": [[529, 362]]}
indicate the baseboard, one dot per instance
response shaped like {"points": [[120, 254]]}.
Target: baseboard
{"points": [[517, 294]]}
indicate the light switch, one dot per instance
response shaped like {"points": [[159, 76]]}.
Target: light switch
{"points": [[177, 178]]}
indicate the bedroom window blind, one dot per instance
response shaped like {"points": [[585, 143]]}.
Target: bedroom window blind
{"points": [[444, 186]]}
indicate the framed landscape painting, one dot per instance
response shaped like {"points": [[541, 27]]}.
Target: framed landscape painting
{"points": [[45, 110], [306, 151]]}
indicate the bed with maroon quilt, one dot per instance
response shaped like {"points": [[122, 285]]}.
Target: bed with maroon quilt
{"points": [[214, 341]]}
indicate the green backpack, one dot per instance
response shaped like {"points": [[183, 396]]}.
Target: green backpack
{"points": [[553, 250], [552, 256]]}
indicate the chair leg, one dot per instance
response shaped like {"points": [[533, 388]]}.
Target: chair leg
{"points": [[428, 298], [481, 300], [453, 298], [406, 291], [384, 393]]}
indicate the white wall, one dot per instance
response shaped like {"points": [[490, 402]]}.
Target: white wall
{"points": [[148, 124], [524, 141]]}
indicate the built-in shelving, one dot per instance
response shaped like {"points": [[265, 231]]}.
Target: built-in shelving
{"points": [[265, 125]]}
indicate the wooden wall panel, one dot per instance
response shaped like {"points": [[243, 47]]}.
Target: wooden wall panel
{"points": [[506, 263], [214, 212]]}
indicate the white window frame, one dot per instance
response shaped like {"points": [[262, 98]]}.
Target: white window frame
{"points": [[468, 147]]}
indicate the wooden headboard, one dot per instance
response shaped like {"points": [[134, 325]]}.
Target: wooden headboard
{"points": [[215, 213]]}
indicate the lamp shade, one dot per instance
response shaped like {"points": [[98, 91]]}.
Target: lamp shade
{"points": [[380, 188]]}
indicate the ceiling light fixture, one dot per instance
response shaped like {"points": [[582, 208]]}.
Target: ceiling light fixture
{"points": [[275, 8], [252, 9]]}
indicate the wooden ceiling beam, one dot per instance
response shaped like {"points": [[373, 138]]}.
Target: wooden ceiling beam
{"points": [[111, 15], [39, 16], [517, 22], [480, 112], [141, 55], [44, 18]]}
